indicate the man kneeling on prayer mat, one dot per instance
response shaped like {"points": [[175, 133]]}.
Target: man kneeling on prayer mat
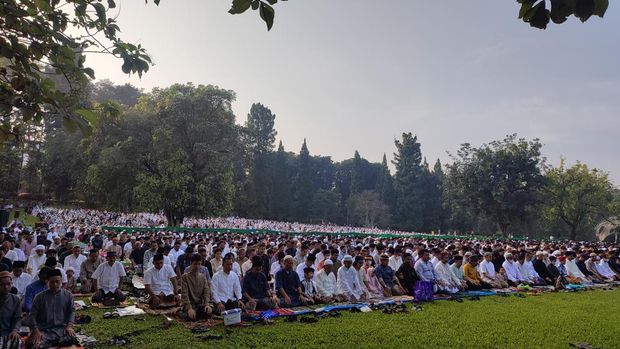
{"points": [[348, 282], [256, 290], [109, 278], [288, 285], [327, 285], [10, 314], [195, 293], [226, 288], [52, 316], [160, 283]]}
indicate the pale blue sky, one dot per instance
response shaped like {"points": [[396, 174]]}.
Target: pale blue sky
{"points": [[351, 75]]}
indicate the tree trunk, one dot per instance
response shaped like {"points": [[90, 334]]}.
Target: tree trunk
{"points": [[503, 228], [573, 232]]}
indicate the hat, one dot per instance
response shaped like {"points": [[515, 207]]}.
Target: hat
{"points": [[592, 254], [468, 253], [507, 255], [70, 269], [327, 262], [347, 258], [539, 253], [40, 247], [53, 272]]}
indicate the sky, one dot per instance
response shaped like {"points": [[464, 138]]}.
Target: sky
{"points": [[354, 75]]}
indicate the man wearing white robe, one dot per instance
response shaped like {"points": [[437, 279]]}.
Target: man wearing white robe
{"points": [[348, 282]]}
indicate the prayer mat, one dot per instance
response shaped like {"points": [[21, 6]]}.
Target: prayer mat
{"points": [[130, 311], [158, 311], [101, 306], [137, 282]]}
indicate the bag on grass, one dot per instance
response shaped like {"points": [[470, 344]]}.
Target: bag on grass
{"points": [[423, 291]]}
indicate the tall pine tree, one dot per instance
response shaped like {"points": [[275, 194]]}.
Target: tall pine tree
{"points": [[302, 185], [408, 183], [357, 175], [260, 140], [281, 189], [385, 185]]}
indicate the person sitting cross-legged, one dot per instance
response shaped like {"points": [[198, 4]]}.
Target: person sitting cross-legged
{"points": [[326, 284], [472, 277], [109, 278], [256, 290], [195, 293], [288, 285], [226, 288], [10, 314], [160, 283], [387, 278], [52, 316]]}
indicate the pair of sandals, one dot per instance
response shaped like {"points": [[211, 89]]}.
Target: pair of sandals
{"points": [[82, 319], [111, 315]]}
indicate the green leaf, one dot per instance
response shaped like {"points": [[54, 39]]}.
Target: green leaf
{"points": [[267, 13], [255, 4], [156, 2], [100, 12], [90, 72], [584, 9], [600, 7], [239, 6], [44, 5], [89, 115], [560, 10], [111, 4], [526, 5], [272, 2]]}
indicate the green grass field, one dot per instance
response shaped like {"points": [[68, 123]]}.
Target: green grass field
{"points": [[548, 321], [27, 220]]}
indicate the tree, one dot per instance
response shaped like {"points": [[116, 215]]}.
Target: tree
{"points": [[190, 153], [534, 12], [432, 198], [385, 184], [325, 206], [367, 209], [9, 171], [105, 90], [303, 190], [35, 38], [500, 180], [357, 175], [281, 190], [260, 139], [577, 196], [408, 183]]}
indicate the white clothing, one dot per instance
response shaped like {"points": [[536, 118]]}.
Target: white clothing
{"points": [[109, 276], [74, 262], [225, 287], [326, 283], [21, 283], [348, 282], [395, 262], [159, 280]]}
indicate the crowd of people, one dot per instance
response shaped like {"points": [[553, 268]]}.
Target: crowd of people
{"points": [[208, 273]]}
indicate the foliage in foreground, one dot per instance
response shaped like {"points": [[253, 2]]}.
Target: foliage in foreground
{"points": [[549, 321]]}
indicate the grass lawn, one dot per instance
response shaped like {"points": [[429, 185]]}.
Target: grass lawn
{"points": [[548, 321], [27, 220]]}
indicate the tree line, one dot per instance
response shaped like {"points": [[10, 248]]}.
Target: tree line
{"points": [[179, 149]]}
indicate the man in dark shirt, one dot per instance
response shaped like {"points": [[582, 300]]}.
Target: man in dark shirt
{"points": [[256, 288], [288, 285], [291, 250], [10, 314], [386, 274], [542, 270], [52, 315], [136, 256], [406, 274], [266, 265], [184, 261]]}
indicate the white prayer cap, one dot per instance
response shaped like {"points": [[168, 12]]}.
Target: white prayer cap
{"points": [[409, 251], [70, 269], [347, 258], [539, 253], [507, 254], [328, 262], [40, 247], [468, 253], [287, 258], [557, 253]]}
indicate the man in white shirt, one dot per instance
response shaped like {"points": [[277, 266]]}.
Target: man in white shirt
{"points": [[512, 272], [75, 260], [309, 263], [348, 282], [487, 272], [36, 261], [175, 253], [446, 280], [160, 283], [326, 283], [109, 278], [396, 260], [21, 280], [226, 288]]}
